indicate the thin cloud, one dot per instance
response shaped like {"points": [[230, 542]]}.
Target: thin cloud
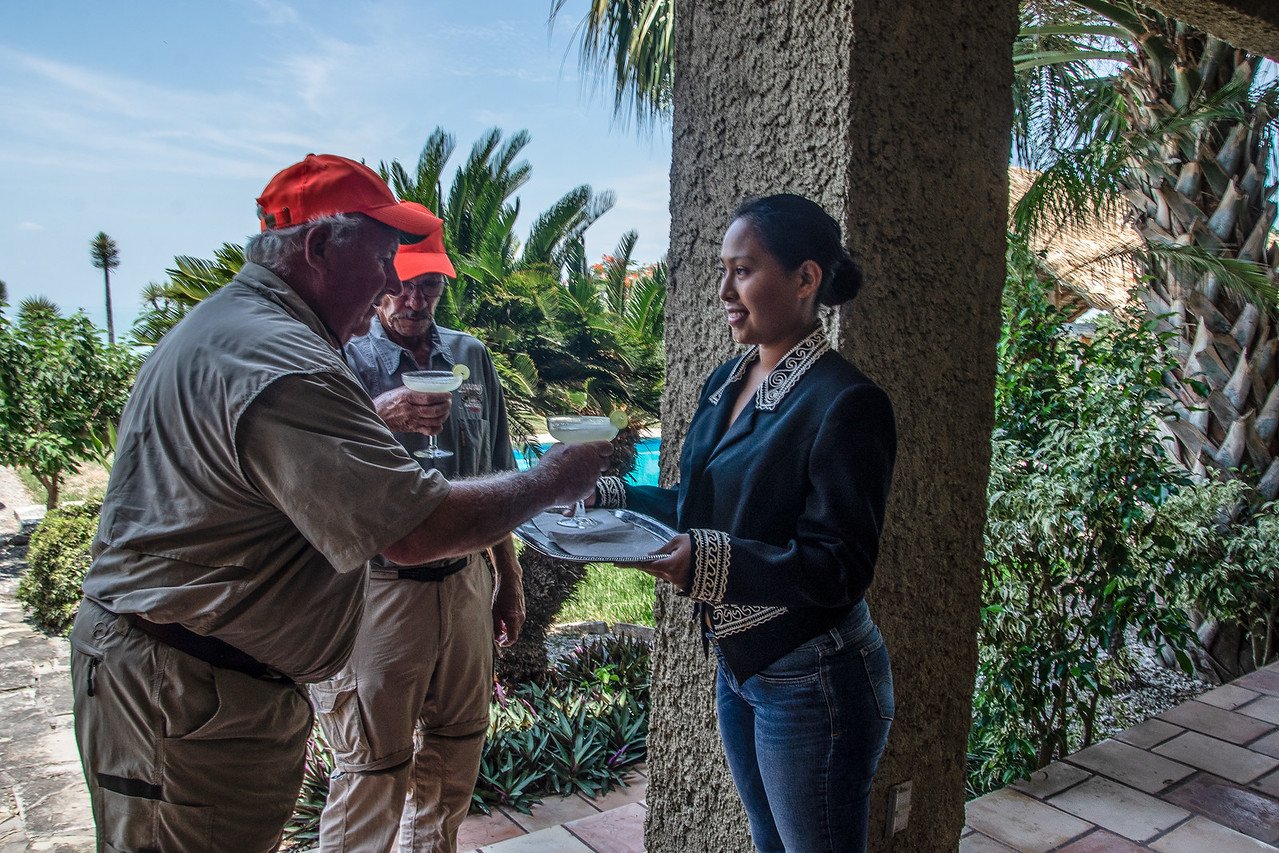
{"points": [[30, 226]]}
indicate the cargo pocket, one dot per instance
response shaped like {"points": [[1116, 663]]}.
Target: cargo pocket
{"points": [[139, 824], [337, 705]]}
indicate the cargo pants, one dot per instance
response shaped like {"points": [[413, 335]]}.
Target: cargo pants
{"points": [[406, 717], [180, 755]]}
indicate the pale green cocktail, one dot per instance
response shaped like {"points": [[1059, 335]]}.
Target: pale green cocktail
{"points": [[434, 382], [579, 429]]}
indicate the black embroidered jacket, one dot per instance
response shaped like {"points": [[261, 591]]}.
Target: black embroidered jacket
{"points": [[785, 505]]}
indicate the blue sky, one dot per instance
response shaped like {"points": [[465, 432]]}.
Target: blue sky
{"points": [[160, 122]]}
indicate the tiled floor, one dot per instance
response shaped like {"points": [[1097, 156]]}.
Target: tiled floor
{"points": [[1201, 778], [613, 823]]}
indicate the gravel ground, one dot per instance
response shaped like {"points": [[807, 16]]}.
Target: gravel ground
{"points": [[1152, 690]]}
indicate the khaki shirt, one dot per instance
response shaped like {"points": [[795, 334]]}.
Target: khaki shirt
{"points": [[252, 479]]}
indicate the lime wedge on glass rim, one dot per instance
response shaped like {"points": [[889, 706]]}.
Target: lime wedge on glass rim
{"points": [[619, 419], [462, 372]]}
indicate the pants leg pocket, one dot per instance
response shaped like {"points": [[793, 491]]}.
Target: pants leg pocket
{"points": [[141, 825], [337, 705]]}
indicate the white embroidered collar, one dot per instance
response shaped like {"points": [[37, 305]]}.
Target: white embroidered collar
{"points": [[784, 376]]}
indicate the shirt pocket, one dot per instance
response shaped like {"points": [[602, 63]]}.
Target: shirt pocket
{"points": [[474, 437]]}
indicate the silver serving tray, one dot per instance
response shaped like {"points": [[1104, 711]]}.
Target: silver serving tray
{"points": [[539, 541]]}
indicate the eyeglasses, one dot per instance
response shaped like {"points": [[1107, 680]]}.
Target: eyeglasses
{"points": [[424, 287]]}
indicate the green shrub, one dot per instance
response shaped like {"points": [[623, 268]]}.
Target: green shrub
{"points": [[579, 729], [1074, 559], [57, 559]]}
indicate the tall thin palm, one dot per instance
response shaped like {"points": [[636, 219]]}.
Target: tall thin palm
{"points": [[105, 255]]}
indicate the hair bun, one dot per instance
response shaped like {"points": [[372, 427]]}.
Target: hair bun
{"points": [[842, 281]]}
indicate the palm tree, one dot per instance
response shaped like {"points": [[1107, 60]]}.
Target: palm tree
{"points": [[1124, 107], [508, 292], [1180, 130], [190, 281], [633, 41], [106, 256]]}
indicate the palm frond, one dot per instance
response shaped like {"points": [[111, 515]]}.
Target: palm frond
{"points": [[632, 43]]}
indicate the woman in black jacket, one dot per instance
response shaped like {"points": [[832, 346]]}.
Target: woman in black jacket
{"points": [[784, 476]]}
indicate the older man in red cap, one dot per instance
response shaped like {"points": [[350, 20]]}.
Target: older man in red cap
{"points": [[423, 660], [253, 481]]}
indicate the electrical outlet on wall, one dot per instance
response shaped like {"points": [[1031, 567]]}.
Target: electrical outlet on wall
{"points": [[898, 809]]}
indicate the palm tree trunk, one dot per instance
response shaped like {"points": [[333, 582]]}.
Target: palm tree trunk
{"points": [[106, 277]]}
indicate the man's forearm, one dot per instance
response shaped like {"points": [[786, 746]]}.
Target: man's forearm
{"points": [[476, 514]]}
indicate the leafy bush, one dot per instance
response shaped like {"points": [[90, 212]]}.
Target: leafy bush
{"points": [[61, 391], [57, 559], [1228, 563], [578, 730], [1074, 558]]}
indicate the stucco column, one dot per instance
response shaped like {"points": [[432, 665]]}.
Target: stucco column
{"points": [[895, 116]]}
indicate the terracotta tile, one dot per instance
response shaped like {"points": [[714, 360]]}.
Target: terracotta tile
{"points": [[1264, 708], [479, 829], [1262, 681], [1126, 811], [1268, 785], [553, 811], [977, 843], [1022, 822], [635, 791], [1102, 841], [1053, 779], [619, 830], [555, 839], [1135, 767], [1200, 834], [1229, 804], [1149, 733], [1217, 757], [1268, 745], [1229, 697], [1223, 725]]}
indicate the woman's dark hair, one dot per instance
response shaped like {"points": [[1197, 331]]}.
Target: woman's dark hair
{"points": [[795, 229]]}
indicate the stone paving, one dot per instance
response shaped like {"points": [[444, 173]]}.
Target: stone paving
{"points": [[1203, 776], [44, 804]]}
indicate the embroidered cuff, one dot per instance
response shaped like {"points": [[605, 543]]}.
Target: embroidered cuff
{"points": [[610, 493], [712, 550]]}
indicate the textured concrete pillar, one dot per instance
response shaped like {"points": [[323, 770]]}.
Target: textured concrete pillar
{"points": [[1250, 24], [895, 116]]}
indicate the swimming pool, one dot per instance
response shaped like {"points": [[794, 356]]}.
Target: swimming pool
{"points": [[645, 473]]}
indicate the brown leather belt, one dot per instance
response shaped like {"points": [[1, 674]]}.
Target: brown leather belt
{"points": [[211, 650]]}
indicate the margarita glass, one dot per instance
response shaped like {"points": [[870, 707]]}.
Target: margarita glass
{"points": [[434, 382], [579, 429]]}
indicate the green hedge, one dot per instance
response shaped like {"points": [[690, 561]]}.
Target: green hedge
{"points": [[57, 559]]}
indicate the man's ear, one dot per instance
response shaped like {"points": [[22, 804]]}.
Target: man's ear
{"points": [[316, 244], [810, 279]]}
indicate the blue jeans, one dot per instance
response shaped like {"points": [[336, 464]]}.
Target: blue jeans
{"points": [[804, 736]]}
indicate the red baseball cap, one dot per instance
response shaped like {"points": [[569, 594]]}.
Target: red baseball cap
{"points": [[427, 255], [326, 184]]}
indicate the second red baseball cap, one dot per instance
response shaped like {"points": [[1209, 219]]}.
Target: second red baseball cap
{"points": [[428, 255], [326, 184]]}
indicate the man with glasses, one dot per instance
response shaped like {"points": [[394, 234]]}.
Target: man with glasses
{"points": [[407, 716]]}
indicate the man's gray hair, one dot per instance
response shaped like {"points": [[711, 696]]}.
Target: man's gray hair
{"points": [[279, 248]]}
